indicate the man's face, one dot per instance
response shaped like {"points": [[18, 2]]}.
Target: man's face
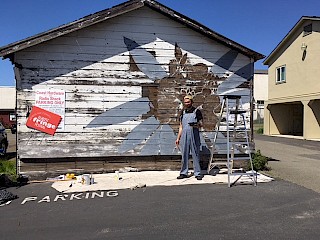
{"points": [[187, 103]]}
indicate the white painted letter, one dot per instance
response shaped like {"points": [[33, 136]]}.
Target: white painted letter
{"points": [[59, 197], [75, 196], [6, 203], [96, 194], [28, 199], [45, 199], [112, 194]]}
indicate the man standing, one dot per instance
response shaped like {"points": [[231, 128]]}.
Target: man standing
{"points": [[189, 138]]}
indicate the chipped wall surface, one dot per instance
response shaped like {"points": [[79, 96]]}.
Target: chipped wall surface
{"points": [[124, 81]]}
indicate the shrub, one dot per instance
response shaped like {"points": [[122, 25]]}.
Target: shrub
{"points": [[259, 161], [259, 131], [8, 167]]}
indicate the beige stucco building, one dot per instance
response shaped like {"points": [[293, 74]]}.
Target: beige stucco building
{"points": [[260, 94], [293, 106]]}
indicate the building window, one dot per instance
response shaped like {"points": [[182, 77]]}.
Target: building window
{"points": [[281, 74], [12, 117], [260, 104], [307, 30]]}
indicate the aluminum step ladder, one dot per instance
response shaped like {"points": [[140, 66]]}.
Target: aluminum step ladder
{"points": [[231, 141]]}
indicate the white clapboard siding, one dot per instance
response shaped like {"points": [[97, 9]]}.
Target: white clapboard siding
{"points": [[48, 82], [85, 89], [100, 96], [108, 111], [64, 53]]}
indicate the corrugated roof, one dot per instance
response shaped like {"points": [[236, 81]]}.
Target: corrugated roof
{"points": [[287, 37], [117, 10]]}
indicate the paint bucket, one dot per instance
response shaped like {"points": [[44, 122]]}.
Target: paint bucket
{"points": [[86, 179], [117, 176], [91, 179], [79, 179]]}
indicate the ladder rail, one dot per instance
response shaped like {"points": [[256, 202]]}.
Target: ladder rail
{"points": [[217, 129], [228, 142], [236, 139]]}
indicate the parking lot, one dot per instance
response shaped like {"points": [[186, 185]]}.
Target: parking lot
{"points": [[292, 159], [275, 210]]}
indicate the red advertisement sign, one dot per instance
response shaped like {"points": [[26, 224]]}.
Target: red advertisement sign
{"points": [[43, 120]]}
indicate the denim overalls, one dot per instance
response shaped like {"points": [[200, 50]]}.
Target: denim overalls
{"points": [[190, 141]]}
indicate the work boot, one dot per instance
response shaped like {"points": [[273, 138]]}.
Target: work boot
{"points": [[182, 176], [199, 177]]}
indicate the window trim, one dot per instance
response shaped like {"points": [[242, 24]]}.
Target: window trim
{"points": [[260, 103], [12, 117], [307, 30], [281, 77]]}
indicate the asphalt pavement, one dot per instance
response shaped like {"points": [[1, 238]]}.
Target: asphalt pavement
{"points": [[292, 159], [274, 210]]}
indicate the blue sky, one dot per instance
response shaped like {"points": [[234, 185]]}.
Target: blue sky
{"points": [[258, 25]]}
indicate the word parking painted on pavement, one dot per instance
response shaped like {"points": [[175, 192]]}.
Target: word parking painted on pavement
{"points": [[65, 197]]}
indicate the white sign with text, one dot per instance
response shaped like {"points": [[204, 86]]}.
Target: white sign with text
{"points": [[52, 100]]}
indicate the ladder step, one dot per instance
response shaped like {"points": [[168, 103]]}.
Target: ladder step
{"points": [[219, 163], [237, 130], [241, 143], [236, 151], [237, 111], [240, 158], [243, 174]]}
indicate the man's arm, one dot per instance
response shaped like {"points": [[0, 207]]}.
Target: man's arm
{"points": [[179, 134], [199, 119]]}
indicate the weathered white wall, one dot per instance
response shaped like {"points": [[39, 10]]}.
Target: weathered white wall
{"points": [[124, 81]]}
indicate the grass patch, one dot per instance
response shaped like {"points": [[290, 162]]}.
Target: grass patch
{"points": [[8, 167]]}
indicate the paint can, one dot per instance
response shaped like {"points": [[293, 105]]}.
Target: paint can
{"points": [[91, 179], [117, 176], [86, 179], [79, 179]]}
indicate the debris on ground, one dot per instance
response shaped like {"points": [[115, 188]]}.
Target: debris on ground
{"points": [[6, 196], [58, 178], [70, 176], [5, 181], [140, 185], [22, 179], [128, 169], [85, 179]]}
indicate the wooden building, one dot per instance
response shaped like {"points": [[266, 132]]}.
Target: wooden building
{"points": [[7, 106], [117, 78]]}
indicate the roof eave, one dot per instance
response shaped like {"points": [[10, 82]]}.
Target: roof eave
{"points": [[86, 21], [283, 41], [203, 29], [128, 6]]}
